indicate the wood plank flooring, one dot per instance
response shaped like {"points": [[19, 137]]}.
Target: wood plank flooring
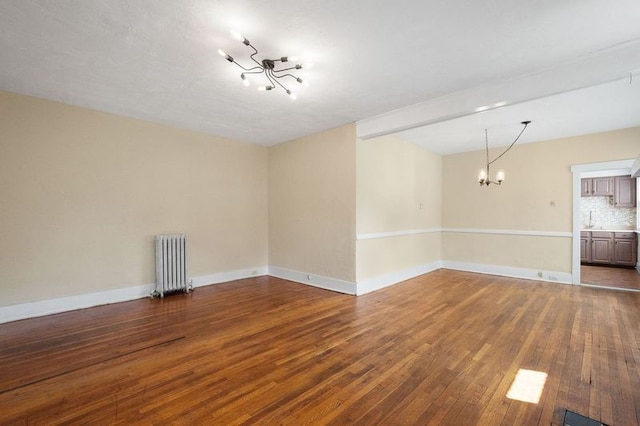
{"points": [[442, 348], [626, 278]]}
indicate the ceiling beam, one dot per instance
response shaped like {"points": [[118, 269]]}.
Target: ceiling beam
{"points": [[604, 66]]}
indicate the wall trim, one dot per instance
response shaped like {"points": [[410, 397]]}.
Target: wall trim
{"points": [[374, 235], [386, 280], [508, 271], [88, 300], [563, 234], [70, 303], [313, 280]]}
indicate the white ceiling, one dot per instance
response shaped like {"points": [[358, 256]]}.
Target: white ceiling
{"points": [[610, 106], [156, 59]]}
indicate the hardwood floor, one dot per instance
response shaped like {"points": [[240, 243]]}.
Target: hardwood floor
{"points": [[626, 278], [443, 348]]}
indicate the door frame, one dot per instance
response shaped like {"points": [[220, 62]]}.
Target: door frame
{"points": [[579, 171]]}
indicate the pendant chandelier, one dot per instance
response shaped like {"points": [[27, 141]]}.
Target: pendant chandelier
{"points": [[267, 67], [484, 175]]}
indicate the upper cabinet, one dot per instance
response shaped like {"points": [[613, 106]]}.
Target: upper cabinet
{"points": [[597, 186], [621, 188], [603, 186], [625, 191], [586, 185]]}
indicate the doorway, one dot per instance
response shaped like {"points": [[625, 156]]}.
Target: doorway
{"points": [[600, 275]]}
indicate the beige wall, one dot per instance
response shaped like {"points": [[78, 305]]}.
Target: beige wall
{"points": [[83, 193], [538, 175], [399, 188], [312, 204], [517, 251]]}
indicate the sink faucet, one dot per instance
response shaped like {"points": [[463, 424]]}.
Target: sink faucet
{"points": [[590, 225]]}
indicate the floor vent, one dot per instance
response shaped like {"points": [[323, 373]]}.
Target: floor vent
{"points": [[575, 419]]}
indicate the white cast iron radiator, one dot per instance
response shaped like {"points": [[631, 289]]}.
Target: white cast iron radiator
{"points": [[171, 265]]}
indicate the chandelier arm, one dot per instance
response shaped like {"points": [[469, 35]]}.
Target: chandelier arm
{"points": [[255, 52], [286, 69], [279, 84], [286, 75], [266, 73], [510, 146], [246, 69]]}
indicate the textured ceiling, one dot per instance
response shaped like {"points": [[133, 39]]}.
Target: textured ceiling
{"points": [[156, 59]]}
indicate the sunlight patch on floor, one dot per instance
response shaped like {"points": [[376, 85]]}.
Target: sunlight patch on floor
{"points": [[527, 386]]}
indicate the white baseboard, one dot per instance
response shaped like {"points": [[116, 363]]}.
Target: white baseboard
{"points": [[327, 283], [223, 277], [376, 283], [71, 303], [508, 271]]}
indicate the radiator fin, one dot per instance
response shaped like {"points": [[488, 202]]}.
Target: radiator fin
{"points": [[171, 264]]}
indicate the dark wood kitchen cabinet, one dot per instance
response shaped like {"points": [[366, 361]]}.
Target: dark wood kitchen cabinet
{"points": [[593, 187], [625, 249], [602, 186], [601, 247], [608, 248], [625, 191], [585, 246]]}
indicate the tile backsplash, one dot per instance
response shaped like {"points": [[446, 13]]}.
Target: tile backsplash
{"points": [[604, 213]]}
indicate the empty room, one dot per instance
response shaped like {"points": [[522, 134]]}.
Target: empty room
{"points": [[331, 212]]}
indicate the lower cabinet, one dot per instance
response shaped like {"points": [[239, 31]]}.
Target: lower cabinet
{"points": [[625, 249], [585, 247], [601, 250], [608, 248]]}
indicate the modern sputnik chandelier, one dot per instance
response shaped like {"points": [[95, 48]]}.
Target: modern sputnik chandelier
{"points": [[267, 67], [483, 176]]}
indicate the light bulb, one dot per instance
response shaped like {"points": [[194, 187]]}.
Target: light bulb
{"points": [[482, 176], [244, 80], [303, 82], [500, 175], [291, 95], [307, 66], [292, 58], [225, 55]]}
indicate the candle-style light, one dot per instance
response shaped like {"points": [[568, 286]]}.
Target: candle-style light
{"points": [[484, 174]]}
